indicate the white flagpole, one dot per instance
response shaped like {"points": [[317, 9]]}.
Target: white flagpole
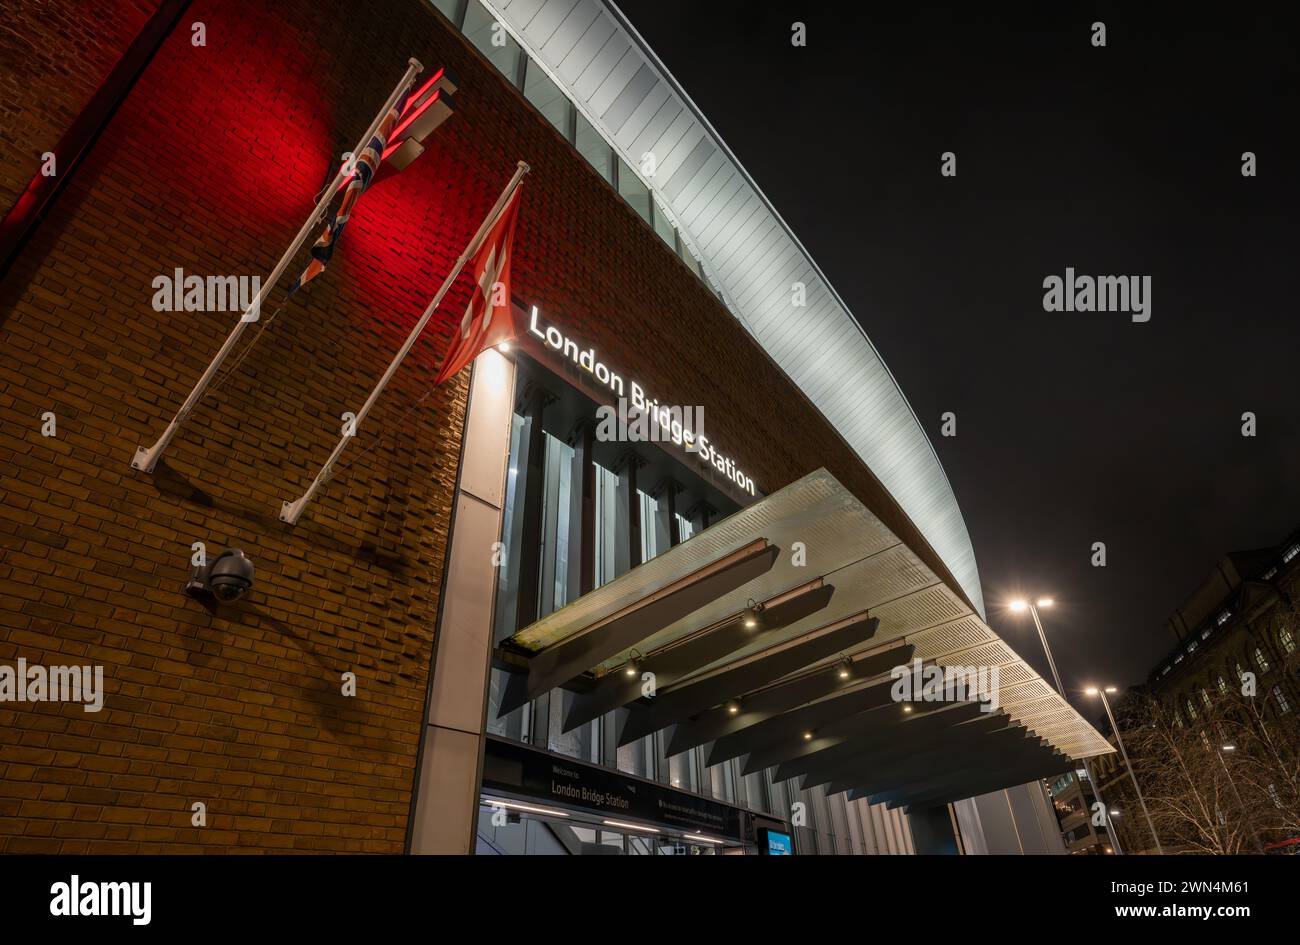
{"points": [[146, 459], [291, 511]]}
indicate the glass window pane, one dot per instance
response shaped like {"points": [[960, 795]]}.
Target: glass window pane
{"points": [[450, 9], [513, 725], [633, 191], [593, 147], [479, 30], [691, 263], [683, 770], [664, 227], [582, 742], [649, 534], [512, 525], [606, 524], [554, 587], [547, 97], [638, 757], [756, 793]]}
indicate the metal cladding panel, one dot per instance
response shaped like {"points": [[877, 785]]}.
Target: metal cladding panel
{"points": [[711, 173], [548, 19], [651, 116], [623, 89], [571, 29], [583, 53]]}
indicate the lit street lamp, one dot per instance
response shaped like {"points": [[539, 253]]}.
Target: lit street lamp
{"points": [[1019, 606], [1235, 793], [1093, 691]]}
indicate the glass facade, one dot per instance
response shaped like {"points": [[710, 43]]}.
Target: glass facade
{"points": [[641, 505], [541, 836], [500, 49], [632, 524]]}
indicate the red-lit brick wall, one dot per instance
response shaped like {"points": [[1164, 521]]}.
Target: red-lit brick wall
{"points": [[55, 53], [211, 165]]}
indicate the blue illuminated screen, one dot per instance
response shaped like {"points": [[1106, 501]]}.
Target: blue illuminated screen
{"points": [[779, 844]]}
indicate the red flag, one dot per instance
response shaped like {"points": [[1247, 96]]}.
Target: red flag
{"points": [[488, 320]]}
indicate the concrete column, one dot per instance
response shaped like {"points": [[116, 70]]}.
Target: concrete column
{"points": [[447, 783]]}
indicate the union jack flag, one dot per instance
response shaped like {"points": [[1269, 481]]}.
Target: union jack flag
{"points": [[395, 144]]}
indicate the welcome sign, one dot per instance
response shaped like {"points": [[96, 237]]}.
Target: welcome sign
{"points": [[548, 778]]}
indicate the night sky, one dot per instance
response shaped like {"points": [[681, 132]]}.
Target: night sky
{"points": [[1071, 427]]}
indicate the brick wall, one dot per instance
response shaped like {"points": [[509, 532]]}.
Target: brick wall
{"points": [[55, 55], [210, 165]]}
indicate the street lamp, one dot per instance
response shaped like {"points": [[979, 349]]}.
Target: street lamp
{"points": [[1235, 793], [1019, 606], [1094, 691]]}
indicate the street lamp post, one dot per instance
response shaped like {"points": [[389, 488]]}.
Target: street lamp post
{"points": [[1124, 754], [1232, 782], [1020, 605]]}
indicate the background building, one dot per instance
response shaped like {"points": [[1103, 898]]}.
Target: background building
{"points": [[1224, 699], [1073, 800]]}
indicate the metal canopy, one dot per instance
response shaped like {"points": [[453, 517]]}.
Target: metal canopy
{"points": [[789, 694], [805, 684], [747, 251], [940, 755], [789, 726], [624, 628], [970, 782], [676, 662], [888, 719], [679, 704], [873, 748]]}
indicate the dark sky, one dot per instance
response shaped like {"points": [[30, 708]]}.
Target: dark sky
{"points": [[1072, 427]]}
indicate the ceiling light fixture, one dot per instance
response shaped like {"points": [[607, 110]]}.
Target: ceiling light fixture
{"points": [[696, 836], [631, 669], [627, 826], [526, 808]]}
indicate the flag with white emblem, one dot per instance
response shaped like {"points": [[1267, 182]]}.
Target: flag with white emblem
{"points": [[487, 320]]}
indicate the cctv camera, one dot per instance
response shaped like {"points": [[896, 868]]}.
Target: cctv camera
{"points": [[231, 575], [227, 578]]}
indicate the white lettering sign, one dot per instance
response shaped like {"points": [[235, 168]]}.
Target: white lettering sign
{"points": [[692, 441]]}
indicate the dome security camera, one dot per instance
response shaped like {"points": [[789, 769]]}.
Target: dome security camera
{"points": [[227, 577], [231, 575]]}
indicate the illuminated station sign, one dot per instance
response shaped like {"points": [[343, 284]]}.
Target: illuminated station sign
{"points": [[674, 422]]}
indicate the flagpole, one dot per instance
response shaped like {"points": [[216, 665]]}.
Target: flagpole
{"points": [[291, 511], [146, 459]]}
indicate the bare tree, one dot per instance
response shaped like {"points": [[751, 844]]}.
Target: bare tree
{"points": [[1265, 761], [1190, 794]]}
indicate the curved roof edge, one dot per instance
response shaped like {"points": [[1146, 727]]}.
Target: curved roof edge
{"points": [[591, 51]]}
